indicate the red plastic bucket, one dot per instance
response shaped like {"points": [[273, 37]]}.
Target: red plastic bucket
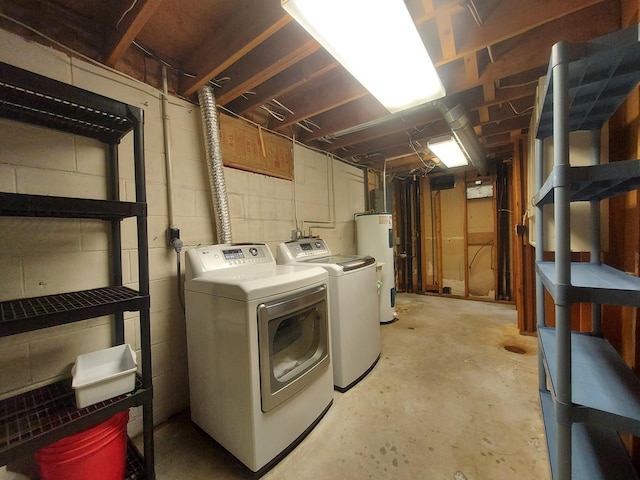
{"points": [[98, 453]]}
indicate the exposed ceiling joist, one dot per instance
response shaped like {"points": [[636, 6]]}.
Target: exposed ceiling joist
{"points": [[490, 55], [131, 25], [251, 24]]}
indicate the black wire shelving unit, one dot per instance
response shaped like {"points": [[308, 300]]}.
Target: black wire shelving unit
{"points": [[38, 417]]}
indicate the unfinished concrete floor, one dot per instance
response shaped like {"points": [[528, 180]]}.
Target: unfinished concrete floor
{"points": [[447, 400]]}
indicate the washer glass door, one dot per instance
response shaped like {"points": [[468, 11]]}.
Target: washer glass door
{"points": [[294, 344]]}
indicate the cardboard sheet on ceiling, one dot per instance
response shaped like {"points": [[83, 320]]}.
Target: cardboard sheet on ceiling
{"points": [[250, 148]]}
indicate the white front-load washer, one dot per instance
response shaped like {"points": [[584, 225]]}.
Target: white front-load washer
{"points": [[258, 340], [355, 316]]}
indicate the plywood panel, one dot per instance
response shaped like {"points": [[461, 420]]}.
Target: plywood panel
{"points": [[480, 216], [481, 238], [248, 147]]}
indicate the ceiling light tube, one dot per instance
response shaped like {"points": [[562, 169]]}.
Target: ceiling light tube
{"points": [[377, 42], [447, 149]]}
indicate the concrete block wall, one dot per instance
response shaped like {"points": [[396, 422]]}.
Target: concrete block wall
{"points": [[328, 193], [43, 256]]}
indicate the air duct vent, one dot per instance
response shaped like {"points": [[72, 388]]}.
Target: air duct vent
{"points": [[444, 182]]}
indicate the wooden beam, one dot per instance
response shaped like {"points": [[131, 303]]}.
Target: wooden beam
{"points": [[132, 25], [474, 100], [367, 109], [445, 32], [497, 140], [484, 114], [489, 94], [515, 123], [282, 50], [397, 144], [250, 25], [428, 6], [361, 110], [335, 88], [471, 67], [309, 68], [61, 24], [406, 123], [480, 238], [403, 161], [489, 91], [429, 10], [533, 48], [511, 19], [511, 109]]}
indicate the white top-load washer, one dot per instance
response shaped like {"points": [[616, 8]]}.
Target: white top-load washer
{"points": [[355, 316], [258, 340]]}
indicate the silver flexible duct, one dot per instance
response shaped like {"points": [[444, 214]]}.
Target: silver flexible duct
{"points": [[213, 150]]}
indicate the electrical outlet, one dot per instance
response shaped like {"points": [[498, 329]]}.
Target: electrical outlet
{"points": [[172, 234]]}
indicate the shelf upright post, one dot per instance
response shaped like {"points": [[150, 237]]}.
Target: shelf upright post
{"points": [[594, 216], [562, 255], [143, 279], [113, 174], [539, 235]]}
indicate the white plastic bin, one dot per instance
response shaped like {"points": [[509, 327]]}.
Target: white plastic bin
{"points": [[104, 374]]}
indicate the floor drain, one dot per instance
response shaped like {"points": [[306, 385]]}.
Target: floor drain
{"points": [[515, 349]]}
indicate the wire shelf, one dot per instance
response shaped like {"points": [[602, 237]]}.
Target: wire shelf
{"points": [[17, 316], [40, 411], [134, 469], [63, 107]]}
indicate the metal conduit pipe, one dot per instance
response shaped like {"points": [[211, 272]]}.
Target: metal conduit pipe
{"points": [[213, 150], [458, 120], [166, 134]]}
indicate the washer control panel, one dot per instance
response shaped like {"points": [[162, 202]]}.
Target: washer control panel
{"points": [[213, 257], [308, 247]]}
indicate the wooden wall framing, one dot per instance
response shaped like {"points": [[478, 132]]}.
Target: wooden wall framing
{"points": [[454, 232]]}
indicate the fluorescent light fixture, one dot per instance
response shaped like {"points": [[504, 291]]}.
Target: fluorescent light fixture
{"points": [[447, 149], [377, 42]]}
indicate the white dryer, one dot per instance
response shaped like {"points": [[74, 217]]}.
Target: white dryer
{"points": [[258, 339], [353, 299]]}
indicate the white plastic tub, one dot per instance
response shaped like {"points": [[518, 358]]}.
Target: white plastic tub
{"points": [[104, 374]]}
